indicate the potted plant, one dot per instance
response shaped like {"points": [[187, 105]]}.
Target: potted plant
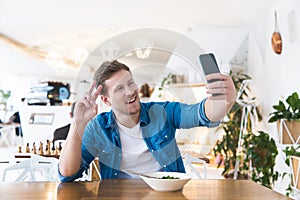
{"points": [[291, 152], [227, 147], [287, 116], [295, 168], [260, 154], [258, 148]]}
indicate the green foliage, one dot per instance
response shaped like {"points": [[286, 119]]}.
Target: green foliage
{"points": [[4, 96], [261, 150], [290, 151], [166, 80], [288, 109], [228, 145]]}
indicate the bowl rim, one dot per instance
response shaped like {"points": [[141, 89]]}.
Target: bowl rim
{"points": [[183, 176]]}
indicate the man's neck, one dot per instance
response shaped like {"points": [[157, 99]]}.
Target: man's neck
{"points": [[128, 121]]}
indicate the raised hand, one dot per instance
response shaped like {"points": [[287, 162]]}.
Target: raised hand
{"points": [[222, 96], [223, 89], [87, 108]]}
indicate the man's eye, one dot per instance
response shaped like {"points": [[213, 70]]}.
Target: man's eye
{"points": [[119, 88]]}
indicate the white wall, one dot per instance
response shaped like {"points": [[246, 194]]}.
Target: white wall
{"points": [[275, 76]]}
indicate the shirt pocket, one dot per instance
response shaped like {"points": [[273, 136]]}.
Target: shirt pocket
{"points": [[164, 138], [108, 156]]}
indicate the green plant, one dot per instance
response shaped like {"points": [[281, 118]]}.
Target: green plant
{"points": [[290, 151], [288, 109], [260, 150], [227, 146], [165, 81], [4, 96], [252, 144]]}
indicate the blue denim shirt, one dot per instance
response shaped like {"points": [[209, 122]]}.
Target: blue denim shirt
{"points": [[158, 120]]}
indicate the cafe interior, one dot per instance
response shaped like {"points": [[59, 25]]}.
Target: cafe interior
{"points": [[49, 51]]}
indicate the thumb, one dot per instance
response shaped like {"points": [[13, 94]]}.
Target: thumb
{"points": [[95, 109]]}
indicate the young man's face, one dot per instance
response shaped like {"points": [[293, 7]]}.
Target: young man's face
{"points": [[122, 94]]}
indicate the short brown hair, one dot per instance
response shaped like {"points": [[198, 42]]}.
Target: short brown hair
{"points": [[106, 70]]}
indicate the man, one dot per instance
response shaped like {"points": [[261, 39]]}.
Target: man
{"points": [[15, 118], [135, 136]]}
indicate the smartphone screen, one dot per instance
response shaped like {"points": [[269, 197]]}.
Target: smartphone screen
{"points": [[209, 63], [209, 66]]}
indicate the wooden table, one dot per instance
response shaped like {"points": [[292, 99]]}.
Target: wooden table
{"points": [[137, 189]]}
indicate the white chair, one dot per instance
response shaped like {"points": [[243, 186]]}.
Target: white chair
{"points": [[190, 160], [46, 166], [8, 134], [4, 135]]}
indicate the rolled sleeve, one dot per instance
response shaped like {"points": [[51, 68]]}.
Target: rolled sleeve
{"points": [[71, 178], [203, 118]]}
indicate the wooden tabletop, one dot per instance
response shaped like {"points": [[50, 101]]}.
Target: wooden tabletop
{"points": [[137, 189]]}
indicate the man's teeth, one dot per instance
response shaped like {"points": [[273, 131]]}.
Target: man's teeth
{"points": [[131, 100]]}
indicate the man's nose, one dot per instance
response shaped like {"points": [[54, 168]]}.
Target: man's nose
{"points": [[129, 90]]}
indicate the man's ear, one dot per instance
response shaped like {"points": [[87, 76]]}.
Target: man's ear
{"points": [[105, 100]]}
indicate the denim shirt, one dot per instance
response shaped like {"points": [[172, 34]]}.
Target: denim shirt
{"points": [[158, 121]]}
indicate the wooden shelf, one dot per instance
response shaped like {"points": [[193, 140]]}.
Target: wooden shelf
{"points": [[186, 85]]}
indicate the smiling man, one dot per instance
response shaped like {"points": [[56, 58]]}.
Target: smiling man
{"points": [[135, 136]]}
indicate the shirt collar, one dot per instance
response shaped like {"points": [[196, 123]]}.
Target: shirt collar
{"points": [[144, 116], [111, 122]]}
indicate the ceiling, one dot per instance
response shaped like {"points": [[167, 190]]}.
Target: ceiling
{"points": [[51, 25]]}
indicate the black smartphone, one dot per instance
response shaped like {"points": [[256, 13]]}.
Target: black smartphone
{"points": [[209, 64]]}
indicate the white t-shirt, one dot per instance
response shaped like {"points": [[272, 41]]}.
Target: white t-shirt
{"points": [[135, 154]]}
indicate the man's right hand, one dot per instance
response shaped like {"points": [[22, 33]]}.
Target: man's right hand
{"points": [[87, 108]]}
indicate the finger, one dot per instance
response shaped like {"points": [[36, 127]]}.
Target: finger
{"points": [[85, 102], [92, 87], [214, 76], [217, 91], [222, 81], [217, 97], [215, 84], [97, 93]]}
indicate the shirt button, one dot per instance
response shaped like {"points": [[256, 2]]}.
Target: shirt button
{"points": [[103, 151], [166, 136], [152, 150], [116, 174], [165, 166]]}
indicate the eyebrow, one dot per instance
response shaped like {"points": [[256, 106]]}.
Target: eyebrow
{"points": [[120, 85]]}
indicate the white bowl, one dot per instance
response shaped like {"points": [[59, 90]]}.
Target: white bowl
{"points": [[165, 185]]}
